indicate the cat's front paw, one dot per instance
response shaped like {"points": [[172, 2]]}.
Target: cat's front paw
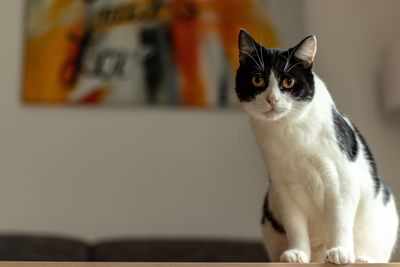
{"points": [[294, 256], [339, 255]]}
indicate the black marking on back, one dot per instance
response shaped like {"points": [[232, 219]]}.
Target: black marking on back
{"points": [[386, 194], [267, 215], [345, 136], [371, 161]]}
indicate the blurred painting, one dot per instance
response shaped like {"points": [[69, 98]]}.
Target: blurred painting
{"points": [[137, 52]]}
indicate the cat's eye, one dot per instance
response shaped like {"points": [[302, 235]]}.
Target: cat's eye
{"points": [[288, 83], [258, 81]]}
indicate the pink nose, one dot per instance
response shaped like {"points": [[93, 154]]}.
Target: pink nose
{"points": [[272, 100]]}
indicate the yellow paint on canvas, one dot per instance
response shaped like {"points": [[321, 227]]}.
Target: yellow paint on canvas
{"points": [[57, 9], [45, 57]]}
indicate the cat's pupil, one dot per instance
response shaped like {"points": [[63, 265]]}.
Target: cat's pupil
{"points": [[258, 79]]}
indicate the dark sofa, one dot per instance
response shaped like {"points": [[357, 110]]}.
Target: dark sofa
{"points": [[42, 248]]}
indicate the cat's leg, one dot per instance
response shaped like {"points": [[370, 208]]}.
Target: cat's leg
{"points": [[295, 223], [340, 210], [274, 235], [364, 244], [375, 231]]}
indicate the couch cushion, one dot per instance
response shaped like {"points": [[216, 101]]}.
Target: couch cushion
{"points": [[35, 248], [179, 251]]}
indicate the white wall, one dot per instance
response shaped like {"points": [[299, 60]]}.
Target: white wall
{"points": [[287, 17], [121, 172]]}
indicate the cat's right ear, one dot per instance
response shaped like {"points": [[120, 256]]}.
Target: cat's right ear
{"points": [[247, 46], [306, 49]]}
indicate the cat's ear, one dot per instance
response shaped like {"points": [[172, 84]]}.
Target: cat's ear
{"points": [[247, 45], [306, 49]]}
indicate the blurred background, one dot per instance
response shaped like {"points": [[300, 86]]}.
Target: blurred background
{"points": [[98, 173]]}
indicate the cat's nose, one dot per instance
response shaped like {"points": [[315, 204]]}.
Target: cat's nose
{"points": [[272, 100]]}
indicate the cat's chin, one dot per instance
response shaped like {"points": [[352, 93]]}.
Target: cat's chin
{"points": [[270, 115], [267, 113]]}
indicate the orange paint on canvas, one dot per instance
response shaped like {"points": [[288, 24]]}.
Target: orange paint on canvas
{"points": [[186, 36], [46, 55]]}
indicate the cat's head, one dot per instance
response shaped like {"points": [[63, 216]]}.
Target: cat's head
{"points": [[272, 83]]}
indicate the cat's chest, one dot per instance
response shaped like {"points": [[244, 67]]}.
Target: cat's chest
{"points": [[295, 161], [298, 173], [293, 148]]}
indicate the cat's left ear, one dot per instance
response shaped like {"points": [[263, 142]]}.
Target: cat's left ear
{"points": [[306, 49], [247, 45]]}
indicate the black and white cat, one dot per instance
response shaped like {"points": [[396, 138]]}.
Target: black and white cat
{"points": [[325, 201]]}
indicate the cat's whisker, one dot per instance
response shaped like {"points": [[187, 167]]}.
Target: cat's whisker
{"points": [[261, 67], [244, 52], [288, 61], [261, 50], [298, 63], [239, 123]]}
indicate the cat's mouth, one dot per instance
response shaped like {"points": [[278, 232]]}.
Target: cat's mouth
{"points": [[274, 113], [274, 109]]}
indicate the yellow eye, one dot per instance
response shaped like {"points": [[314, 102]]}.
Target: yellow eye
{"points": [[288, 83], [258, 81]]}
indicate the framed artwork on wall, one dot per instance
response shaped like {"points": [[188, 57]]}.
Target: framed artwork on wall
{"points": [[137, 52]]}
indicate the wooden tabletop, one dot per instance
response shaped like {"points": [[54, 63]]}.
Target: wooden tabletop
{"points": [[103, 264]]}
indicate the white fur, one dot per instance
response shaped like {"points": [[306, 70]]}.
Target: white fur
{"points": [[325, 202]]}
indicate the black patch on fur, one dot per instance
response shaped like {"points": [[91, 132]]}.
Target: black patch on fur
{"points": [[386, 194], [371, 161], [267, 215], [275, 61], [345, 136]]}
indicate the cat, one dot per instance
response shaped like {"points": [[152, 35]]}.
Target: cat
{"points": [[325, 200]]}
